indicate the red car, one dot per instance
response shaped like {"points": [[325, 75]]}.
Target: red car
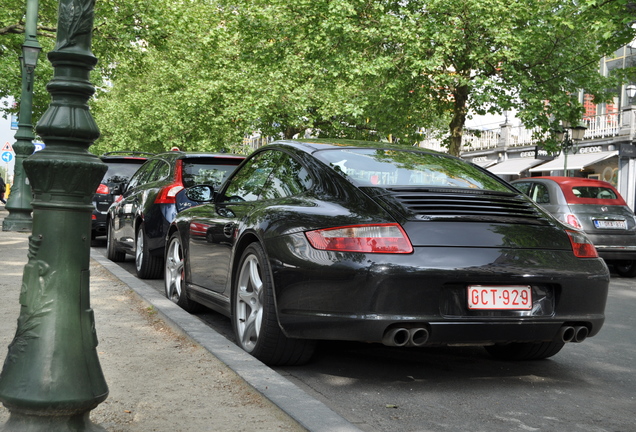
{"points": [[593, 206]]}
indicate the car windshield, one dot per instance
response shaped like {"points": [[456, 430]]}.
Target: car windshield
{"points": [[390, 167]]}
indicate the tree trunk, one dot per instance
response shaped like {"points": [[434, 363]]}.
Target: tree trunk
{"points": [[456, 125]]}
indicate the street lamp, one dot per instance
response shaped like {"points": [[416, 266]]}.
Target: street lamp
{"points": [[630, 90], [568, 136], [51, 378], [19, 202]]}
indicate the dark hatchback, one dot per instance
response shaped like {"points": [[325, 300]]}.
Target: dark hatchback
{"points": [[121, 167], [138, 222], [337, 240]]}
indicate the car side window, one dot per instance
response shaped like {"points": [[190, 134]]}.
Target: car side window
{"points": [[142, 174], [540, 194], [247, 184], [160, 172], [524, 187], [290, 178]]}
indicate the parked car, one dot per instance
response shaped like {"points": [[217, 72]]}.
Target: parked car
{"points": [[121, 166], [338, 240], [593, 206], [138, 223]]}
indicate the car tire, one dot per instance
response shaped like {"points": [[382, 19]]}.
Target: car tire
{"points": [[146, 265], [174, 281], [626, 268], [525, 351], [111, 251], [254, 316]]}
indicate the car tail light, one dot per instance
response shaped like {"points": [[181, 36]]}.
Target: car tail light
{"points": [[581, 245], [571, 219], [168, 193], [382, 238], [102, 189]]}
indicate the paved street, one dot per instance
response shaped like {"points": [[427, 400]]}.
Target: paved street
{"points": [[586, 387]]}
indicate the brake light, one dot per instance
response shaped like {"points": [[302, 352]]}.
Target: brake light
{"points": [[382, 238], [571, 219], [581, 245], [102, 189], [168, 193]]}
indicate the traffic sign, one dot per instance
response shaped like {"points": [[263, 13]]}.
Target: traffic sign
{"points": [[7, 147], [7, 156]]}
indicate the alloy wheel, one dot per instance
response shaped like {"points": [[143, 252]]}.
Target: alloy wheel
{"points": [[249, 303]]}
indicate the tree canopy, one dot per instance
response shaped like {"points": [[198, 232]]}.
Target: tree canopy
{"points": [[200, 74]]}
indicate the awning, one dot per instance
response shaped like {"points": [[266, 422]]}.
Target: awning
{"points": [[514, 166], [484, 163], [575, 161]]}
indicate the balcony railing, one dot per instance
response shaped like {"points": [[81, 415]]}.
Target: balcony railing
{"points": [[599, 126]]}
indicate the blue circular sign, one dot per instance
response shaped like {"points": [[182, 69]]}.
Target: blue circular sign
{"points": [[7, 156]]}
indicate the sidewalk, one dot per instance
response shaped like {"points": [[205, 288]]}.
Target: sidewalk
{"points": [[166, 371]]}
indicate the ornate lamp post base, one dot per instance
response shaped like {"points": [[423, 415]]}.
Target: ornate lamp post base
{"points": [[20, 223], [37, 423]]}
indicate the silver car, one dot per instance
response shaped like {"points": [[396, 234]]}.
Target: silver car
{"points": [[594, 206]]}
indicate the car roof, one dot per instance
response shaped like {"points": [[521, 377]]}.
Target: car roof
{"points": [[570, 181], [178, 154], [125, 155], [311, 145], [567, 183]]}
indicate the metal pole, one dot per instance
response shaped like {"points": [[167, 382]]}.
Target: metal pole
{"points": [[19, 202], [52, 378], [566, 149]]}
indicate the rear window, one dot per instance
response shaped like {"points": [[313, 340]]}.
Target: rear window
{"points": [[121, 171], [593, 194], [208, 171], [384, 167]]}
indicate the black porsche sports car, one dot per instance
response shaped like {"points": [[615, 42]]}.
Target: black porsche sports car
{"points": [[342, 240]]}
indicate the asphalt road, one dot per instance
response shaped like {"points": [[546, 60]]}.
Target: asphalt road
{"points": [[587, 387]]}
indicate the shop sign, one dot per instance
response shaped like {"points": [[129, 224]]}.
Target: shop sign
{"points": [[593, 149], [542, 154], [627, 150]]}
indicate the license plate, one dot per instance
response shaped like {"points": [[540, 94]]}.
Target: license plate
{"points": [[610, 224], [514, 297]]}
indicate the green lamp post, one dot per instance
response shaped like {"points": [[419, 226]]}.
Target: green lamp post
{"points": [[568, 136], [51, 378], [19, 202]]}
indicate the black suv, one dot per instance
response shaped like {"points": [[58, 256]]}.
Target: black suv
{"points": [[121, 167], [139, 222]]}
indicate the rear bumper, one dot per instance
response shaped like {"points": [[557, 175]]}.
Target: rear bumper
{"points": [[616, 252], [358, 297]]}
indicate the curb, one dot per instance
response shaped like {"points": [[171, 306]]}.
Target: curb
{"points": [[309, 412]]}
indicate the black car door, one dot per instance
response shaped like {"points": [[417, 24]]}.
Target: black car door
{"points": [[214, 227], [124, 212]]}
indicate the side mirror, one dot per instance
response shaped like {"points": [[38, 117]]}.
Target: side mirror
{"points": [[194, 196], [117, 189], [200, 193]]}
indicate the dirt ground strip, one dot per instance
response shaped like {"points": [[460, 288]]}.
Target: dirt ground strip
{"points": [[159, 380]]}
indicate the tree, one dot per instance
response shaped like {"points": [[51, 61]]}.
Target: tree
{"points": [[190, 91], [400, 65], [120, 26]]}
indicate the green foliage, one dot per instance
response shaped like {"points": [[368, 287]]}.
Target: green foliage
{"points": [[200, 74]]}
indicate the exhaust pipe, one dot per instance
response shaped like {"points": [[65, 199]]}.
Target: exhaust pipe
{"points": [[418, 337], [396, 337], [580, 333], [567, 333]]}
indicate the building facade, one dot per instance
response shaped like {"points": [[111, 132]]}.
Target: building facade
{"points": [[606, 152]]}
